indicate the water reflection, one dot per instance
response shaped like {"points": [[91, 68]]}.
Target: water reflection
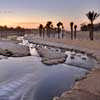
{"points": [[57, 82], [27, 78], [45, 81]]}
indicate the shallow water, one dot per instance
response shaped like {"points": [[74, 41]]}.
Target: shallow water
{"points": [[27, 78]]}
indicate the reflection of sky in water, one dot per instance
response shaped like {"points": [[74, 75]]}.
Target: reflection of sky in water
{"points": [[50, 80], [56, 83]]}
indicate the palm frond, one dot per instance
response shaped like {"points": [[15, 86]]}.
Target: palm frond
{"points": [[92, 15]]}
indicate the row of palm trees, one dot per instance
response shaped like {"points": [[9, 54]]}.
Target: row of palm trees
{"points": [[48, 29], [60, 28], [91, 15], [73, 33], [6, 31]]}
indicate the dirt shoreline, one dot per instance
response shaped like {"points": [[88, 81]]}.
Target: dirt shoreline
{"points": [[89, 87]]}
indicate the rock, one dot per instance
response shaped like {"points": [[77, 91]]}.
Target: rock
{"points": [[10, 48], [49, 57], [3, 57], [53, 61], [45, 52]]}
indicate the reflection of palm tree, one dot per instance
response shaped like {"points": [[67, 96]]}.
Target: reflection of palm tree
{"points": [[71, 25], [48, 28], [40, 30], [75, 27], [92, 16], [59, 29]]}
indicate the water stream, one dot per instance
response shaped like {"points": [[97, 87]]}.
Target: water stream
{"points": [[27, 78]]}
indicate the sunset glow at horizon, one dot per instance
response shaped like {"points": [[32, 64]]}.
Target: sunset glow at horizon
{"points": [[31, 13]]}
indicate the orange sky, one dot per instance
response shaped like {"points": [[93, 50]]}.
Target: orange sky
{"points": [[30, 13], [34, 21]]}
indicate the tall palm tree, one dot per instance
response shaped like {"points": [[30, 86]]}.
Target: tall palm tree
{"points": [[75, 29], [40, 30], [48, 28], [43, 32], [71, 26], [59, 29], [62, 31], [92, 16]]}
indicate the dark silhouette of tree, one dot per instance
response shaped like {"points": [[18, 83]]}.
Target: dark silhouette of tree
{"points": [[92, 16], [18, 30], [1, 29], [71, 26], [48, 28], [75, 29], [43, 32], [59, 24], [5, 28], [62, 31], [84, 27], [97, 27], [40, 30]]}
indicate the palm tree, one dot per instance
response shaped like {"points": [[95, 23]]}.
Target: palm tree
{"points": [[75, 28], [43, 32], [48, 28], [59, 29], [92, 16], [71, 26], [62, 31], [40, 30]]}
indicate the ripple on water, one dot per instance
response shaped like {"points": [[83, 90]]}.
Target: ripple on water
{"points": [[52, 81]]}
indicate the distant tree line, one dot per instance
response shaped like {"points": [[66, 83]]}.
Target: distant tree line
{"points": [[57, 31], [19, 31], [49, 30], [85, 27]]}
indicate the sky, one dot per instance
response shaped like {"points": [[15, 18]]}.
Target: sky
{"points": [[30, 13]]}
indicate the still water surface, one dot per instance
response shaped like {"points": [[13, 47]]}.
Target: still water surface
{"points": [[27, 78]]}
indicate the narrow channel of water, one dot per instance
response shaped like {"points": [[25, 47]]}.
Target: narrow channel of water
{"points": [[27, 77]]}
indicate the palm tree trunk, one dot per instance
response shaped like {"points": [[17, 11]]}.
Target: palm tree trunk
{"points": [[58, 32], [71, 33], [75, 34], [92, 35]]}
